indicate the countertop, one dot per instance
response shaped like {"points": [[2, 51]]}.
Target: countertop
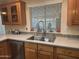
{"points": [[22, 37], [59, 41]]}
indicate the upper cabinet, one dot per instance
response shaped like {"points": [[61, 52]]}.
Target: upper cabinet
{"points": [[13, 13], [73, 12], [4, 15]]}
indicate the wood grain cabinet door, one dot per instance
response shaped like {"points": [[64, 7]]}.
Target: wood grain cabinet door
{"points": [[65, 57], [4, 15], [30, 53], [45, 55], [76, 21], [71, 12], [5, 52], [13, 13], [18, 13]]}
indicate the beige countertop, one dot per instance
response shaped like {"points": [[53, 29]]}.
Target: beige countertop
{"points": [[67, 42], [15, 37], [60, 41]]}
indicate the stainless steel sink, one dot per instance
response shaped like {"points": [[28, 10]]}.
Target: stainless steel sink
{"points": [[40, 38]]}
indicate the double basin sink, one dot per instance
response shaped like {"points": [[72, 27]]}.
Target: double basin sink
{"points": [[42, 38]]}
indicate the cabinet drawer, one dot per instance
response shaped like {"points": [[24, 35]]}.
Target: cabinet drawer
{"points": [[65, 57], [68, 52], [45, 48], [31, 45], [45, 53]]}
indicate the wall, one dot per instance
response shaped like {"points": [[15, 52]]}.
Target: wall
{"points": [[2, 27], [64, 28]]}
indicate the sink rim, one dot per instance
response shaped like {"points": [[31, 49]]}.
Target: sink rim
{"points": [[34, 38]]}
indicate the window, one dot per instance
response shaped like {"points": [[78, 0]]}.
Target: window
{"points": [[46, 17]]}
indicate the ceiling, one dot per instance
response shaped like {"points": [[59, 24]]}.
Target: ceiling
{"points": [[4, 1], [28, 1]]}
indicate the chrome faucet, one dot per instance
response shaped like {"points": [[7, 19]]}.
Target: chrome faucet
{"points": [[38, 27], [41, 29], [44, 31]]}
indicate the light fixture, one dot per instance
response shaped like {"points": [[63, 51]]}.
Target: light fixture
{"points": [[4, 13]]}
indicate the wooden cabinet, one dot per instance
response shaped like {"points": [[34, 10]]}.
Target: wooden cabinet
{"points": [[40, 51], [4, 15], [5, 52], [30, 51], [73, 12], [37, 51], [45, 55], [65, 57], [64, 53], [13, 13], [45, 52]]}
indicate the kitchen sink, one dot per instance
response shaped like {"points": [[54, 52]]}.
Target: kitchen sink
{"points": [[41, 38]]}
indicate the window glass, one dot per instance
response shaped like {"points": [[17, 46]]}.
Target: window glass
{"points": [[46, 18]]}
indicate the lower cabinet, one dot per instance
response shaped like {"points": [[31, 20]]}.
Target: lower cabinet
{"points": [[45, 51], [65, 57], [44, 55], [37, 51], [41, 51], [30, 53], [66, 53], [5, 52]]}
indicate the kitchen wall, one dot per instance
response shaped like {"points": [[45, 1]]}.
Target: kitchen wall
{"points": [[64, 28], [2, 27]]}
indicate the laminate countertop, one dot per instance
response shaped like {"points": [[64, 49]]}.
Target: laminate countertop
{"points": [[60, 41], [22, 37]]}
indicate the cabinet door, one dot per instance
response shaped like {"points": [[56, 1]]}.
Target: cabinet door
{"points": [[14, 15], [5, 52], [45, 55], [65, 57], [30, 53], [76, 21], [4, 15], [71, 15], [18, 15]]}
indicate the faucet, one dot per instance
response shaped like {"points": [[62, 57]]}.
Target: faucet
{"points": [[41, 29], [38, 27], [44, 31]]}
